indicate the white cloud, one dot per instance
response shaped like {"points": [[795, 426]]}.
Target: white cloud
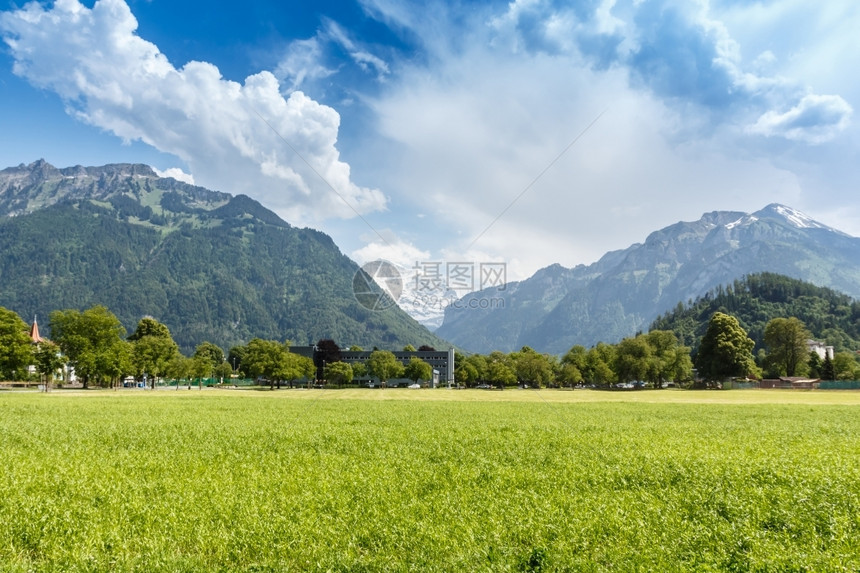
{"points": [[815, 119], [360, 55], [241, 138], [176, 173], [387, 246], [302, 63], [471, 133]]}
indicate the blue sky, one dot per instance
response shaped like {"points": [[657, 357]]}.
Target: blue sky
{"points": [[527, 132]]}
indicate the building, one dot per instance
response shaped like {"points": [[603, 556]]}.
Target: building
{"points": [[441, 361], [819, 348]]}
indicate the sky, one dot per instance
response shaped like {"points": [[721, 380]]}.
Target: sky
{"points": [[525, 133]]}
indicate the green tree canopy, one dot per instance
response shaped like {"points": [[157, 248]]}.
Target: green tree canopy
{"points": [[210, 352], [384, 365], [786, 343], [151, 355], [93, 342], [16, 348], [726, 350], [48, 360], [532, 367], [148, 326], [338, 373], [417, 370]]}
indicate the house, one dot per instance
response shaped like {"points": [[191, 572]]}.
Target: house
{"points": [[819, 348]]}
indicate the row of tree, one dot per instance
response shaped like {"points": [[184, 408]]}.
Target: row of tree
{"points": [[94, 343], [652, 358], [727, 351]]}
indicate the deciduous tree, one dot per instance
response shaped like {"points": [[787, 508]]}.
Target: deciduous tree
{"points": [[417, 370], [786, 344], [726, 350], [338, 373], [16, 348], [93, 341], [384, 365]]}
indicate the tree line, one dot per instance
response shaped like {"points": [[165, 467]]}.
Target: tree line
{"points": [[94, 343]]}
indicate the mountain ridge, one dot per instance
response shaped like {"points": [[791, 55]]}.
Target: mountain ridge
{"points": [[626, 289], [211, 266]]}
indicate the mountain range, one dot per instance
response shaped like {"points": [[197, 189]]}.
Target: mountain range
{"points": [[211, 266], [625, 290]]}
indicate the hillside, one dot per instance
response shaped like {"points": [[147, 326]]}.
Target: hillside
{"points": [[625, 290], [830, 316], [210, 266]]}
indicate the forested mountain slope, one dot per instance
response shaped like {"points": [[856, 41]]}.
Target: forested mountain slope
{"points": [[830, 316], [208, 265]]}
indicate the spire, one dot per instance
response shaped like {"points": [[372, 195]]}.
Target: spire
{"points": [[34, 332]]}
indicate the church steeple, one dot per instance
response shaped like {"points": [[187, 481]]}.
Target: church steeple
{"points": [[34, 332]]}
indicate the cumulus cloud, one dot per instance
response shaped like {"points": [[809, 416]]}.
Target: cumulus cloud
{"points": [[815, 119], [175, 173], [471, 132], [387, 246], [241, 138]]}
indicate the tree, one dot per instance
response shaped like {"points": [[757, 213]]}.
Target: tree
{"points": [[499, 369], [48, 360], [92, 340], [359, 370], [814, 364], [210, 352], [634, 359], [417, 370], [223, 370], [295, 367], [828, 370], [384, 365], [465, 372], [235, 358], [786, 342], [179, 368], [726, 350], [327, 351], [151, 355], [532, 367], [201, 367], [153, 349], [478, 362], [265, 359], [408, 348], [598, 364], [338, 373], [148, 326], [16, 348], [670, 360], [845, 366]]}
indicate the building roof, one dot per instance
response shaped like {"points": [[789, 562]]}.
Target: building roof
{"points": [[34, 333]]}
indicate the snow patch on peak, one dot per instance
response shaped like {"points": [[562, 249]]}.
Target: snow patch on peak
{"points": [[797, 218], [745, 220]]}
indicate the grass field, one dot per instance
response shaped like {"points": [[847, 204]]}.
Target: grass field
{"points": [[430, 480]]}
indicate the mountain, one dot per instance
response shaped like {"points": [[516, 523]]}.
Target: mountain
{"points": [[209, 265], [756, 299], [625, 290]]}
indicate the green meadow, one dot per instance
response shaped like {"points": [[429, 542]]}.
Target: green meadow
{"points": [[430, 480]]}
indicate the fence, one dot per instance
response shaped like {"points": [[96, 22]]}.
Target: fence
{"points": [[839, 385], [227, 382]]}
